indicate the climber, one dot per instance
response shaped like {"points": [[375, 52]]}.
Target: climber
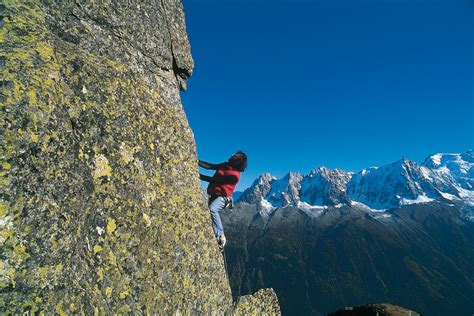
{"points": [[220, 189]]}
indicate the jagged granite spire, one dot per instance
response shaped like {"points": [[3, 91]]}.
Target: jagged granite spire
{"points": [[285, 191], [258, 190], [323, 186]]}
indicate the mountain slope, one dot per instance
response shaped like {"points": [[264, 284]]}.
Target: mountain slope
{"points": [[420, 257]]}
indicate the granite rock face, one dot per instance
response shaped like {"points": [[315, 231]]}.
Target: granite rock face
{"points": [[101, 210], [263, 302]]}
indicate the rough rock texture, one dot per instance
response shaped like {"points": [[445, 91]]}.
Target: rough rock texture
{"points": [[323, 186], [101, 210], [263, 302], [258, 190]]}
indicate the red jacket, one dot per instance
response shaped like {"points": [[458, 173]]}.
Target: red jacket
{"points": [[224, 189]]}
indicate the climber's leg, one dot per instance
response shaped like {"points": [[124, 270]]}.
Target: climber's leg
{"points": [[215, 206]]}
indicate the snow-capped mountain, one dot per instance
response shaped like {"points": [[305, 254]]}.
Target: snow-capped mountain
{"points": [[285, 191], [267, 191], [453, 174], [440, 177], [325, 187], [258, 190], [459, 167], [399, 183]]}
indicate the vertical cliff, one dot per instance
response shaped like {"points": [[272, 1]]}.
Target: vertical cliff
{"points": [[101, 210]]}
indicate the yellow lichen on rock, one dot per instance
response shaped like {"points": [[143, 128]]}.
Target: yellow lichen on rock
{"points": [[263, 302], [102, 168], [111, 226], [97, 248], [102, 210]]}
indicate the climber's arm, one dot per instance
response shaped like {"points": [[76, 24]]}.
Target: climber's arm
{"points": [[208, 166], [218, 179]]}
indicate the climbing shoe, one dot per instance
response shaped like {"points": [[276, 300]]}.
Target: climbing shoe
{"points": [[221, 242]]}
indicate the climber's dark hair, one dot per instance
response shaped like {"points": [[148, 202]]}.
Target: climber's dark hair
{"points": [[238, 161]]}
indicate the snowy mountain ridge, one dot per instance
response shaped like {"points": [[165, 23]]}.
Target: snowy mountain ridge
{"points": [[441, 177]]}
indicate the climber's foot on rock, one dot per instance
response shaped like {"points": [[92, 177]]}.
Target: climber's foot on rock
{"points": [[222, 241]]}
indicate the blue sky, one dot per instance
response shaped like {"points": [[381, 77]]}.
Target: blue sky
{"points": [[345, 84]]}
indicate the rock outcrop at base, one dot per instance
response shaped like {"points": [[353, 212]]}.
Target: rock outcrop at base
{"points": [[101, 210], [263, 302]]}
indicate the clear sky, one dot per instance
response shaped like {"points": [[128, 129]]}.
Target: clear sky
{"points": [[341, 83]]}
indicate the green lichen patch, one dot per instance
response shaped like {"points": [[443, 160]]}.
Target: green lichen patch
{"points": [[102, 211], [263, 302]]}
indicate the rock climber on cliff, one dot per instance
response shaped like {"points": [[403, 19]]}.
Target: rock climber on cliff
{"points": [[220, 189]]}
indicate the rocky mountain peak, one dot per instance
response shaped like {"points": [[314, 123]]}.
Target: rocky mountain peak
{"points": [[285, 191], [452, 169], [391, 185], [323, 186], [258, 190], [440, 177]]}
